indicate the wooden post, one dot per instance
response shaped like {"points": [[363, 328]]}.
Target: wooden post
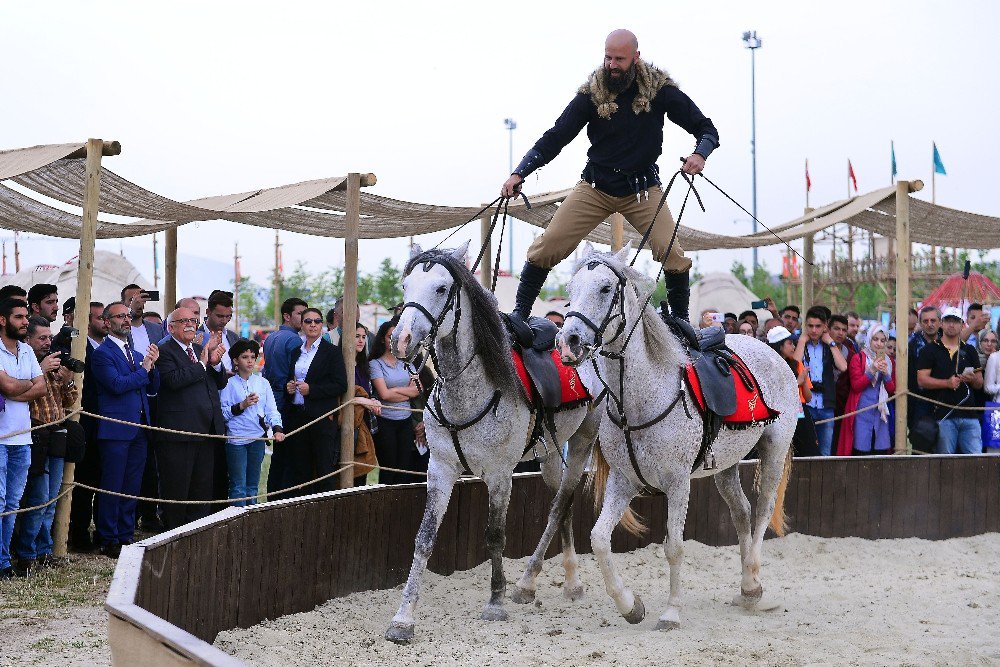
{"points": [[486, 266], [617, 231], [350, 322], [276, 283], [169, 270], [808, 244], [84, 285], [903, 265]]}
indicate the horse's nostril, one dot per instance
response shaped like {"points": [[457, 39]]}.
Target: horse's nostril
{"points": [[573, 340]]}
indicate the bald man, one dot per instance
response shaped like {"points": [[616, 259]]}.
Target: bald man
{"points": [[622, 105]]}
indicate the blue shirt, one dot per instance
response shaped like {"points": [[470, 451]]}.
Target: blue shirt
{"points": [[16, 415], [278, 349], [247, 423]]}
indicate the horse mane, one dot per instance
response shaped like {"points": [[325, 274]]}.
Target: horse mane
{"points": [[490, 340], [658, 337]]}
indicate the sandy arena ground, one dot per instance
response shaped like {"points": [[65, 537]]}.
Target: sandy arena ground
{"points": [[844, 602]]}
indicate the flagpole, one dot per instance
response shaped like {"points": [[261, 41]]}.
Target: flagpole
{"points": [[277, 279], [156, 277], [807, 183], [934, 249], [236, 285]]}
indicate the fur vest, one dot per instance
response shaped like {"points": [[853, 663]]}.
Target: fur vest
{"points": [[648, 78]]}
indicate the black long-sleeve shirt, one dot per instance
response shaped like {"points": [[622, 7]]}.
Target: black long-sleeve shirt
{"points": [[626, 142]]}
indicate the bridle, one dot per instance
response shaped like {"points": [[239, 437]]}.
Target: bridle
{"points": [[617, 301], [452, 302]]}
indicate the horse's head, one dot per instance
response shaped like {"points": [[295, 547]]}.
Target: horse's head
{"points": [[598, 297], [430, 295]]}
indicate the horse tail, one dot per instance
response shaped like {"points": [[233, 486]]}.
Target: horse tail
{"points": [[631, 521], [779, 520]]}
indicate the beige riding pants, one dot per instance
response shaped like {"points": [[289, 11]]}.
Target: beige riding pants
{"points": [[586, 207]]}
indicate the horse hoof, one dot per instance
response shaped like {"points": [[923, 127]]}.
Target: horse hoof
{"points": [[399, 633], [754, 594], [493, 614], [573, 593], [638, 612], [522, 596], [667, 625]]}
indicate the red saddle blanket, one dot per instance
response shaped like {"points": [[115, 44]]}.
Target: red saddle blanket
{"points": [[750, 406], [573, 390]]}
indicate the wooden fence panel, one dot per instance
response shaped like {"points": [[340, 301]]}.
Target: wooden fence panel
{"points": [[240, 569]]}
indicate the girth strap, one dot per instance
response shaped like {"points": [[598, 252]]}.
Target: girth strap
{"points": [[648, 489], [437, 412]]}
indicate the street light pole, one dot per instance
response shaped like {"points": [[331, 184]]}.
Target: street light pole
{"points": [[753, 42], [511, 125]]}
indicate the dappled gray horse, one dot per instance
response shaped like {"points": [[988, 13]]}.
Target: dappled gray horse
{"points": [[478, 416], [609, 298]]}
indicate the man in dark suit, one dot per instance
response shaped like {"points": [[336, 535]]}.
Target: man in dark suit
{"points": [[141, 335], [218, 315], [125, 380], [191, 376], [88, 471]]}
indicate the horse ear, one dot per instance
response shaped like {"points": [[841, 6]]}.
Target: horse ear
{"points": [[415, 250], [622, 255], [460, 252], [588, 250]]}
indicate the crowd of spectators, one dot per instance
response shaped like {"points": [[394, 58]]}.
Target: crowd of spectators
{"points": [[194, 378], [843, 366]]}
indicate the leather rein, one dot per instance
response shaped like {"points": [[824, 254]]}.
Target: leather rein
{"points": [[621, 419]]}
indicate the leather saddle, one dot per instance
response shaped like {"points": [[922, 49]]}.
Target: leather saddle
{"points": [[536, 352]]}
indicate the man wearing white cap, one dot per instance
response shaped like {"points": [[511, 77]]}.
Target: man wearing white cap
{"points": [[948, 371]]}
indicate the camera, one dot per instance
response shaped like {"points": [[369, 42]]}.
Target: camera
{"points": [[69, 362], [64, 339]]}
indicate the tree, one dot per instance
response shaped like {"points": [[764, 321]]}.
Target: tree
{"points": [[761, 283], [387, 285]]}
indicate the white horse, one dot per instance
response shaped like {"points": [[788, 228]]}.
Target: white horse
{"points": [[477, 416], [612, 296]]}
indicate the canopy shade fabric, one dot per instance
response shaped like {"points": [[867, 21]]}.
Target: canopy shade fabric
{"points": [[318, 208]]}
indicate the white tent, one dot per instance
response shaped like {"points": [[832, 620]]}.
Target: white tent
{"points": [[112, 272], [722, 292], [507, 290]]}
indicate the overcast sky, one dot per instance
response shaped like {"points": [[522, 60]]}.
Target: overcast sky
{"points": [[218, 97]]}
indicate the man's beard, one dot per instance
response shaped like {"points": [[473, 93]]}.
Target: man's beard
{"points": [[620, 83], [14, 332]]}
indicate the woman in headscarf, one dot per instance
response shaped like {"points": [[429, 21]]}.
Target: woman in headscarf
{"points": [[872, 380]]}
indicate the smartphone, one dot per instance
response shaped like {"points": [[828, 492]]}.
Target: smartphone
{"points": [[718, 318], [152, 295], [758, 305]]}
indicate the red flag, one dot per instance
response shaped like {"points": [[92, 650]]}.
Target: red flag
{"points": [[809, 183], [851, 176]]}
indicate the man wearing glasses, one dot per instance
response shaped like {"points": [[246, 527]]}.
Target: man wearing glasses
{"points": [[191, 376], [125, 380]]}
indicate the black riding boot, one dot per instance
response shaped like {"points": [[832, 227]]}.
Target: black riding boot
{"points": [[678, 294], [532, 280]]}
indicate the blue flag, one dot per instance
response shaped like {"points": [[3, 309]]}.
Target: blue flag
{"points": [[892, 151], [938, 164]]}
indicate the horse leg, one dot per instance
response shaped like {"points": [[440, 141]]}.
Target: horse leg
{"points": [[772, 465], [617, 496], [499, 486], [560, 517], [441, 480], [678, 486], [731, 490]]}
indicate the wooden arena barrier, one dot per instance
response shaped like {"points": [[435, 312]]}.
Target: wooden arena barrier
{"points": [[173, 593]]}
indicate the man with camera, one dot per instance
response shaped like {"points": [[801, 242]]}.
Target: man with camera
{"points": [[948, 371], [125, 381], [141, 333], [33, 546]]}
